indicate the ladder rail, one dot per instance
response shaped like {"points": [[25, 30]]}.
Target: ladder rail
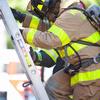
{"points": [[23, 53]]}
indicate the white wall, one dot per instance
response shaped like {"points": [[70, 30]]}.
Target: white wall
{"points": [[3, 43]]}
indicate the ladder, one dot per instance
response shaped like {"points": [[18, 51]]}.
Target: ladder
{"points": [[23, 52]]}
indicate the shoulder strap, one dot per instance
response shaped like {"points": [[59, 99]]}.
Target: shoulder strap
{"points": [[86, 43], [90, 19]]}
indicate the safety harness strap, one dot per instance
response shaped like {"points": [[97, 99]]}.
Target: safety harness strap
{"points": [[87, 43], [73, 69]]}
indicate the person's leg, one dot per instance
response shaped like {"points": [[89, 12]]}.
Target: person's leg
{"points": [[89, 91], [58, 86]]}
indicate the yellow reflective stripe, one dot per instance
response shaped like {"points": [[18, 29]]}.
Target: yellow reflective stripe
{"points": [[39, 56], [62, 35], [76, 46], [30, 36], [34, 22], [32, 8], [43, 0], [93, 2], [85, 76], [71, 96], [52, 53], [61, 53], [95, 37], [40, 7]]}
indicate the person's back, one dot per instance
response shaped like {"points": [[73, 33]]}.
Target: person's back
{"points": [[76, 25]]}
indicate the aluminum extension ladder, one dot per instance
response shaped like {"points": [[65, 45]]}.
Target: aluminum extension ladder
{"points": [[23, 54]]}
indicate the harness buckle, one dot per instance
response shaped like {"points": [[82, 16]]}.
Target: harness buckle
{"points": [[95, 60], [70, 69]]}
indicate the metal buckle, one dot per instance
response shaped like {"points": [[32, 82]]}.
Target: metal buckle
{"points": [[95, 60]]}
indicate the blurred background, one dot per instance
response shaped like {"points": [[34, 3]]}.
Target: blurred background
{"points": [[12, 74]]}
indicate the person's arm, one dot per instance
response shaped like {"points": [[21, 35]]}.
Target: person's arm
{"points": [[18, 15], [43, 57], [30, 21], [47, 58], [53, 38], [65, 29]]}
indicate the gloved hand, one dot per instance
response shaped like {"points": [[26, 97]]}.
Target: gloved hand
{"points": [[59, 65], [33, 54], [18, 15]]}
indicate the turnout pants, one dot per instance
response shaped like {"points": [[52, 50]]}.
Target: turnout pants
{"points": [[58, 87]]}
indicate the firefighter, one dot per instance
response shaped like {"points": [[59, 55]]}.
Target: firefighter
{"points": [[50, 57], [31, 8], [69, 28], [42, 57], [45, 57]]}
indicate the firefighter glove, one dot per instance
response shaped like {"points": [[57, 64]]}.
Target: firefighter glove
{"points": [[18, 15]]}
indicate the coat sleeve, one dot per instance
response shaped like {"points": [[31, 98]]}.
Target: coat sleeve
{"points": [[65, 29], [32, 21]]}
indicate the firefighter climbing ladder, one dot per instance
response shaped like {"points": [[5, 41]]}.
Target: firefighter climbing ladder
{"points": [[24, 56]]}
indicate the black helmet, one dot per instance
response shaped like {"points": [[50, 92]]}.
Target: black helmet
{"points": [[47, 4]]}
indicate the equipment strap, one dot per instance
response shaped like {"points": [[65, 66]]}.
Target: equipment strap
{"points": [[86, 43], [73, 69]]}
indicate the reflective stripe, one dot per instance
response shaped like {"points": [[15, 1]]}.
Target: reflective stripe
{"points": [[39, 56], [61, 53], [93, 2], [85, 76], [71, 96], [30, 36], [43, 0], [34, 22], [95, 37], [32, 8], [40, 7], [62, 35], [52, 53], [90, 2]]}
